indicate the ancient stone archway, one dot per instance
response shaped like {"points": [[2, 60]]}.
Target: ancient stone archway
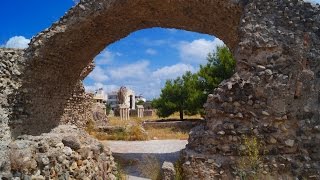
{"points": [[274, 95], [58, 56]]}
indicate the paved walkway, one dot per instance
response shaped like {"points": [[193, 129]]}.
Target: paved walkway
{"points": [[131, 153]]}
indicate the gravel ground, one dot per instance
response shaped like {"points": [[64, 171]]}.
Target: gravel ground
{"points": [[133, 153]]}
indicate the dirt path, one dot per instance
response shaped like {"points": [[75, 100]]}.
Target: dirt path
{"points": [[131, 153]]}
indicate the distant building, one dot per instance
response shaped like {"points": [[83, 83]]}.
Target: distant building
{"points": [[130, 100], [113, 99], [140, 98], [148, 105], [99, 96]]}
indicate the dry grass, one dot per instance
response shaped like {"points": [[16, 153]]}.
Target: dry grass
{"points": [[166, 133], [131, 133], [248, 165], [116, 121], [179, 170], [134, 131], [150, 167], [120, 173]]}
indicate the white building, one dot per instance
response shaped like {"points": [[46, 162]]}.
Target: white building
{"points": [[140, 98], [130, 100], [99, 96]]}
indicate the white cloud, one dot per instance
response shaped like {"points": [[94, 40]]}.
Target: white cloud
{"points": [[151, 51], [172, 30], [136, 76], [106, 57], [106, 88], [19, 42], [152, 42], [136, 70], [98, 74], [171, 72], [197, 50], [140, 77], [313, 1]]}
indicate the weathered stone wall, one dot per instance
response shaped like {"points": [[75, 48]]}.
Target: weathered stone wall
{"points": [[78, 109], [58, 55], [10, 61], [274, 97], [64, 153]]}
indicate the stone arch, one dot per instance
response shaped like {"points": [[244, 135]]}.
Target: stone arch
{"points": [[274, 95], [58, 56]]}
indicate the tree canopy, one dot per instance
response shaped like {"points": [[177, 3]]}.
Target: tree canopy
{"points": [[188, 93], [220, 66]]}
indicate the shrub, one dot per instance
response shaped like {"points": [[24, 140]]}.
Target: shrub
{"points": [[120, 173], [136, 133], [179, 170], [248, 164]]}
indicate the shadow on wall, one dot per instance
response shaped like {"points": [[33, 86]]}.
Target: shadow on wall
{"points": [[43, 119]]}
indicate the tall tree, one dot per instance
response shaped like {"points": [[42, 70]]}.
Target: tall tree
{"points": [[179, 95], [188, 93], [220, 66]]}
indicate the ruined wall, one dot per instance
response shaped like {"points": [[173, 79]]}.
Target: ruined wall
{"points": [[78, 111], [10, 59], [64, 153], [274, 96], [58, 55]]}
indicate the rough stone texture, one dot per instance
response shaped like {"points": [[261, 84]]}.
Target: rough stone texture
{"points": [[9, 82], [64, 153], [59, 56], [78, 109], [274, 95], [168, 171], [99, 116]]}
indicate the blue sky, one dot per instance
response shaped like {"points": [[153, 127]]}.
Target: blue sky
{"points": [[141, 61]]}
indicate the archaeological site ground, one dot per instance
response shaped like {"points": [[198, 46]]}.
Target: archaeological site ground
{"points": [[262, 123]]}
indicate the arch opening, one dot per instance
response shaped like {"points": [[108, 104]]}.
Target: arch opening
{"points": [[58, 58], [166, 54]]}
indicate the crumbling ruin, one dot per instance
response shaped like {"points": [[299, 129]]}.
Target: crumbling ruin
{"points": [[274, 95]]}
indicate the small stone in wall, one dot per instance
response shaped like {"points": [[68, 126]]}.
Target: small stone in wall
{"points": [[265, 113], [272, 140], [71, 142], [67, 151], [289, 142]]}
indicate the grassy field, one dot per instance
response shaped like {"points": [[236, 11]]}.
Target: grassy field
{"points": [[167, 133], [116, 121], [134, 131]]}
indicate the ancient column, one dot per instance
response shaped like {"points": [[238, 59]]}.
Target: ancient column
{"points": [[140, 110]]}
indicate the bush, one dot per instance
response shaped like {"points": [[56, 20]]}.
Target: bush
{"points": [[136, 133], [179, 170], [120, 173], [132, 133], [248, 164]]}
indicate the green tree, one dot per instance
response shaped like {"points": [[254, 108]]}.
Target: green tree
{"points": [[188, 93], [179, 95], [220, 66]]}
